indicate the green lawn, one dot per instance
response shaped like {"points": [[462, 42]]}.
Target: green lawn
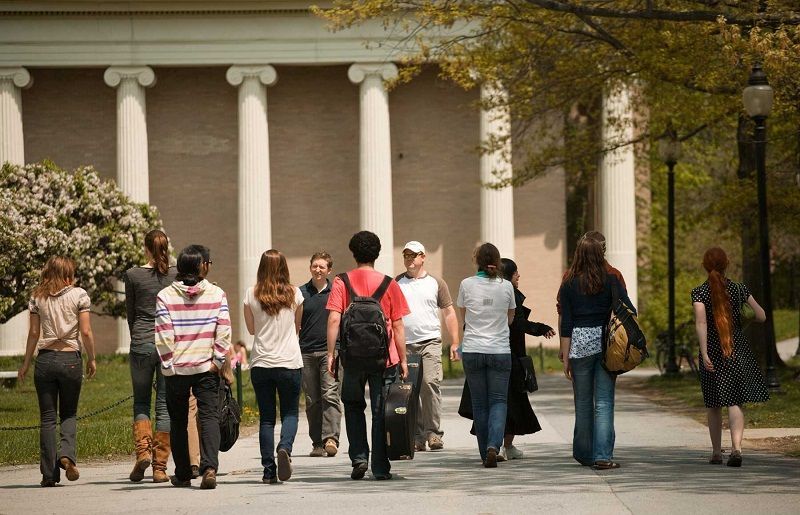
{"points": [[786, 323], [103, 436], [782, 410]]}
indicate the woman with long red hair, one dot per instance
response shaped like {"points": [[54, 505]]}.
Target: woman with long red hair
{"points": [[729, 373]]}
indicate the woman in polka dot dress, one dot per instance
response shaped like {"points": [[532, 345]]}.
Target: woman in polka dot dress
{"points": [[729, 373]]}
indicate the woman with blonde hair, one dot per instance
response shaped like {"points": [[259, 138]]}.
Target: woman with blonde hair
{"points": [[272, 312], [142, 284], [729, 373], [586, 295], [59, 328]]}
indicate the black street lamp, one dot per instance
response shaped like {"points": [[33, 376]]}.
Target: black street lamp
{"points": [[757, 99], [669, 149]]}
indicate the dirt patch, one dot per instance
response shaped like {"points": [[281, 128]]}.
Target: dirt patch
{"points": [[787, 445]]}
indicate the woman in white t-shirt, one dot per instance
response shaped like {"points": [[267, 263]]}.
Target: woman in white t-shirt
{"points": [[486, 304], [272, 311]]}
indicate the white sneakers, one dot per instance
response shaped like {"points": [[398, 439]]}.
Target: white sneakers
{"points": [[511, 453]]}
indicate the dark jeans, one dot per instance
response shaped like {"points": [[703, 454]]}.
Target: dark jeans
{"points": [[144, 367], [323, 404], [57, 378], [487, 375], [353, 385], [266, 382], [205, 388]]}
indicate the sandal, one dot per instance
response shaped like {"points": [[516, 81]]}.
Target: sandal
{"points": [[605, 465], [735, 460]]}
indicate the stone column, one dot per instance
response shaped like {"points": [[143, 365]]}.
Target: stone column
{"points": [[375, 156], [14, 333], [132, 152], [255, 219], [497, 205], [616, 188]]}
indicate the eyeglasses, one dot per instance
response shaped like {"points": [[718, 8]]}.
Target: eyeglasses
{"points": [[410, 255], [209, 262]]}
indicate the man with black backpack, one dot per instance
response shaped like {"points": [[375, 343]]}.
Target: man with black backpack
{"points": [[366, 316]]}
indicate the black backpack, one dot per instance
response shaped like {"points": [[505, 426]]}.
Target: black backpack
{"points": [[363, 338], [229, 417]]}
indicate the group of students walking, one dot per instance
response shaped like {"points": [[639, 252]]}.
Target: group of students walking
{"points": [[181, 342]]}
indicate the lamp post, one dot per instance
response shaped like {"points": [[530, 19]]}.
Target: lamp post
{"points": [[757, 99], [669, 149]]}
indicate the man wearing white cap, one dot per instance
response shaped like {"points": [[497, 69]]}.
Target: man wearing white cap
{"points": [[426, 296]]}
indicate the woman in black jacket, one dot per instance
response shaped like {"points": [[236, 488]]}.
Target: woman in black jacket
{"points": [[520, 418]]}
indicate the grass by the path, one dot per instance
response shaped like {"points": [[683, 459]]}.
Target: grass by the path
{"points": [[683, 394], [786, 323], [104, 436], [545, 360]]}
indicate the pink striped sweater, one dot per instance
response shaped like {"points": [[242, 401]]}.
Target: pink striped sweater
{"points": [[193, 328]]}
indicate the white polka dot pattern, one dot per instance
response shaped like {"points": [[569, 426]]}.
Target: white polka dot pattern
{"points": [[736, 380]]}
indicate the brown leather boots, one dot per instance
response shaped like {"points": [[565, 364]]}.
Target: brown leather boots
{"points": [[150, 450], [160, 457], [143, 440]]}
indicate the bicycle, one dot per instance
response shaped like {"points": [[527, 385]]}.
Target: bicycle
{"points": [[686, 348]]}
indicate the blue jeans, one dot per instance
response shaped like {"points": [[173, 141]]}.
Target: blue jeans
{"points": [[593, 387], [353, 384], [144, 367], [266, 382], [487, 375]]}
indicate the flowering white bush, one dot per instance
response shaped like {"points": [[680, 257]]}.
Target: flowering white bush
{"points": [[45, 211]]}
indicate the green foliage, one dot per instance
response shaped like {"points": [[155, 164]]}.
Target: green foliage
{"points": [[48, 211], [687, 67]]}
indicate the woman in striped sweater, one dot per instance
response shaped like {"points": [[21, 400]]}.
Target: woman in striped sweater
{"points": [[193, 335]]}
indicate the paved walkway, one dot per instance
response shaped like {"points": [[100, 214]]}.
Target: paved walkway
{"points": [[663, 459]]}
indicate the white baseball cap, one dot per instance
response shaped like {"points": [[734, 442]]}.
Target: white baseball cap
{"points": [[415, 246]]}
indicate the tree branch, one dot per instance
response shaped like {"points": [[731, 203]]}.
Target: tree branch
{"points": [[782, 18]]}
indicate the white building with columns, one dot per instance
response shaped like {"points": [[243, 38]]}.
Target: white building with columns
{"points": [[250, 125]]}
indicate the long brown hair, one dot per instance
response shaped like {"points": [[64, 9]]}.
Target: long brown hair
{"points": [[715, 261], [273, 290], [157, 245], [58, 272], [487, 257], [588, 265]]}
